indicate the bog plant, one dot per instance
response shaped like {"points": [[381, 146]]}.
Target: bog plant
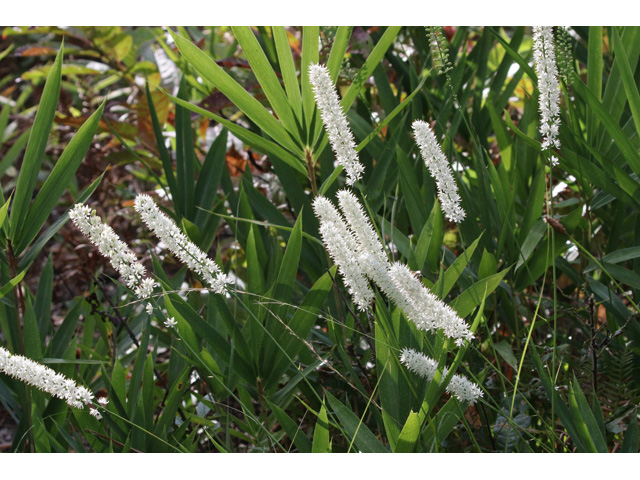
{"points": [[406, 260]]}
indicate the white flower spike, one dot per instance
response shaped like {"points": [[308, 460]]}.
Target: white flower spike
{"points": [[110, 245], [343, 249], [549, 86], [440, 170], [179, 244], [335, 122], [44, 378], [459, 386]]}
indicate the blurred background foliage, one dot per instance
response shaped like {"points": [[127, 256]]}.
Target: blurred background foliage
{"points": [[219, 125]]}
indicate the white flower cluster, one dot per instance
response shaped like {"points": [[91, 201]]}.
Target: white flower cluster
{"points": [[549, 86], [109, 245], [356, 249], [440, 170], [179, 244], [459, 386], [335, 122], [44, 378], [341, 245], [426, 310]]}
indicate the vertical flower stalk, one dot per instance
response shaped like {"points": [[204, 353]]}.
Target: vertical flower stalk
{"points": [[459, 386], [110, 246], [188, 253], [440, 170], [45, 379], [549, 87], [335, 122]]}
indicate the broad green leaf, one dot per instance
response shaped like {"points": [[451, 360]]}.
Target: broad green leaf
{"points": [[451, 275], [251, 107], [6, 288], [468, 300], [293, 430], [260, 143], [288, 70], [409, 434], [42, 304], [630, 85], [506, 352], [442, 425], [374, 58], [3, 211], [30, 255], [183, 196], [321, 438], [14, 151], [584, 419], [613, 128], [35, 148], [162, 148], [338, 50], [357, 432], [31, 334], [595, 67], [58, 180], [266, 77], [310, 47]]}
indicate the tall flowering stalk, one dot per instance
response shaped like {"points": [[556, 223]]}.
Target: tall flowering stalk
{"points": [[179, 244], [110, 246], [356, 248], [459, 386], [335, 122], [45, 379], [549, 86], [440, 170]]}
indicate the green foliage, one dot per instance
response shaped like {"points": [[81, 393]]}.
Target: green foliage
{"points": [[544, 268]]}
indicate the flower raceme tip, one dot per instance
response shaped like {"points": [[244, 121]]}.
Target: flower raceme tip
{"points": [[335, 122], [110, 246], [44, 378], [549, 87], [459, 386], [188, 253], [440, 170]]}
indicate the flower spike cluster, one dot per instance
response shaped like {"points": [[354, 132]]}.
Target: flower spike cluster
{"points": [[179, 244], [44, 378], [440, 170], [335, 122], [459, 386], [356, 249], [110, 245], [549, 86]]}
